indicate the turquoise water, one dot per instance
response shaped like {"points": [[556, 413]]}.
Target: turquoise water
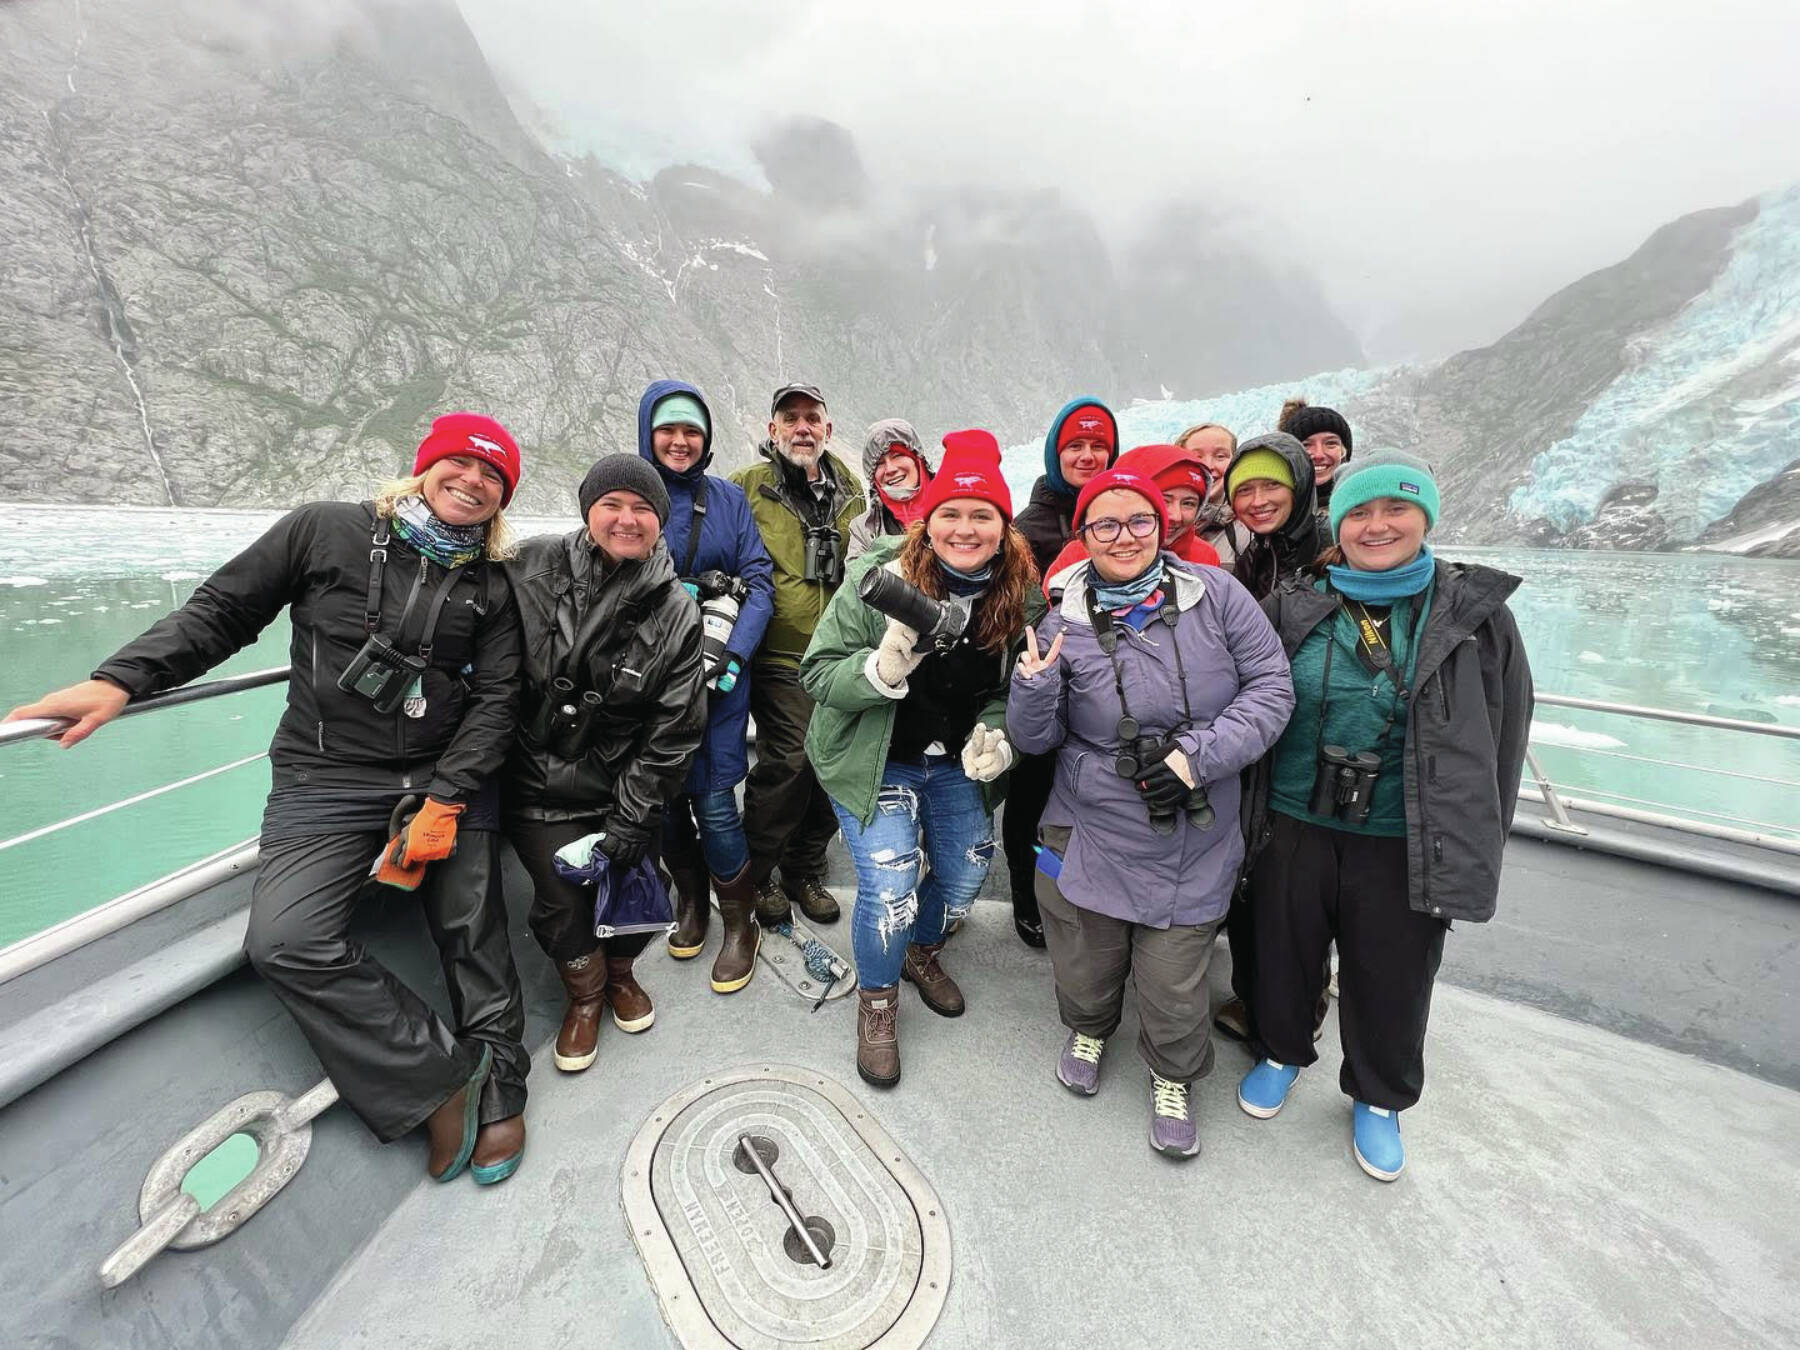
{"points": [[1695, 632]]}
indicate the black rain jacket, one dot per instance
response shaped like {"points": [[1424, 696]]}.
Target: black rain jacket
{"points": [[1465, 736], [314, 562], [644, 661]]}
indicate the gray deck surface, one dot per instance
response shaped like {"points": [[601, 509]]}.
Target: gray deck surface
{"points": [[1565, 1187]]}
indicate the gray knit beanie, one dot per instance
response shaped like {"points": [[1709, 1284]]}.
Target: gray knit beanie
{"points": [[624, 473]]}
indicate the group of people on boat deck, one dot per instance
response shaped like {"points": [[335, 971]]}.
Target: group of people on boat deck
{"points": [[1219, 684]]}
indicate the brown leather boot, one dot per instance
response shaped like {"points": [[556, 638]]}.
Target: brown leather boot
{"points": [[772, 905], [878, 1036], [936, 988], [818, 904], [692, 910], [579, 1040], [499, 1149], [736, 961], [632, 1009], [452, 1127]]}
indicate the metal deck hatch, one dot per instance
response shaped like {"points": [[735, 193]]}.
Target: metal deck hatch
{"points": [[771, 1210]]}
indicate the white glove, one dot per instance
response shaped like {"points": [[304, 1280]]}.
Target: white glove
{"points": [[894, 659], [986, 754]]}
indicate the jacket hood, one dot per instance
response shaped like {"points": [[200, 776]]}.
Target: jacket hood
{"points": [[892, 431], [1053, 463], [655, 393], [1299, 528]]}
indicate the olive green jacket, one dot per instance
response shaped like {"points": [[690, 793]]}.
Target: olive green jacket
{"points": [[799, 604], [853, 721]]}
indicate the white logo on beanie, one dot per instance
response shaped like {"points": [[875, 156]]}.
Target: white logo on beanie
{"points": [[1090, 424], [483, 446], [969, 480]]}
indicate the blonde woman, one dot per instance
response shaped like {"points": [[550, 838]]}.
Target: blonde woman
{"points": [[400, 708]]}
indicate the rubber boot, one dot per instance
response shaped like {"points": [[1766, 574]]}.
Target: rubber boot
{"points": [[452, 1128], [499, 1149], [632, 1009], [692, 910], [736, 961], [878, 1035], [579, 1040]]}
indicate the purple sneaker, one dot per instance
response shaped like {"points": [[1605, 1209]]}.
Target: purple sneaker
{"points": [[1172, 1128], [1079, 1068]]}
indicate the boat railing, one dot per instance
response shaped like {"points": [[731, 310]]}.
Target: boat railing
{"points": [[1752, 837]]}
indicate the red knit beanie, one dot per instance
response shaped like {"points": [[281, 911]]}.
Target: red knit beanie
{"points": [[970, 468], [1130, 480], [479, 437], [1169, 467], [1092, 422]]}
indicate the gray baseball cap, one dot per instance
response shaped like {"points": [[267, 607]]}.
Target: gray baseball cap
{"points": [[787, 391]]}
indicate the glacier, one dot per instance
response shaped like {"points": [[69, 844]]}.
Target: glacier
{"points": [[1711, 406]]}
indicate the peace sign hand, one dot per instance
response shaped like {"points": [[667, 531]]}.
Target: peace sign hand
{"points": [[1031, 664]]}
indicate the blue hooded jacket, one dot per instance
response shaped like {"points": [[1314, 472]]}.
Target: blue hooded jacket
{"points": [[1047, 518], [729, 543]]}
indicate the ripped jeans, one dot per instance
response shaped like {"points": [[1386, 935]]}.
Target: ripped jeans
{"points": [[927, 809]]}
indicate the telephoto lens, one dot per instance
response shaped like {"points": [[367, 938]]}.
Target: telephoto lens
{"points": [[937, 622]]}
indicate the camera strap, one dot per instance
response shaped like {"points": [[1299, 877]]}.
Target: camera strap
{"points": [[1380, 656], [695, 522], [1106, 632]]}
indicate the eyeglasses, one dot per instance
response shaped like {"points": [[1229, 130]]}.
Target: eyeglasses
{"points": [[1107, 530]]}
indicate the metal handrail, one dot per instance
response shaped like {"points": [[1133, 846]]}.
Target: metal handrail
{"points": [[37, 728], [1670, 715]]}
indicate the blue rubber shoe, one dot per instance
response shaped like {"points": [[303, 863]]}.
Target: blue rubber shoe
{"points": [[1375, 1139], [498, 1172], [1265, 1088]]}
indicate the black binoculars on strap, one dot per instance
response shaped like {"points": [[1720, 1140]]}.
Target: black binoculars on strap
{"points": [[1344, 788], [1138, 753]]}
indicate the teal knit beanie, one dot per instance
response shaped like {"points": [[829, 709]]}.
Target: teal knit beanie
{"points": [[1384, 473], [679, 408]]}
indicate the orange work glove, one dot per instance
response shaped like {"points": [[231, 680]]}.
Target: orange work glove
{"points": [[429, 836]]}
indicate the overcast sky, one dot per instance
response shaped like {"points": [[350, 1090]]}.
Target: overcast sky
{"points": [[1441, 168]]}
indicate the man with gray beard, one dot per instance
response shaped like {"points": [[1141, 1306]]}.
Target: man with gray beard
{"points": [[804, 499]]}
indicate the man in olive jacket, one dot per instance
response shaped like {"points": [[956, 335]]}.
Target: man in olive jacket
{"points": [[804, 499]]}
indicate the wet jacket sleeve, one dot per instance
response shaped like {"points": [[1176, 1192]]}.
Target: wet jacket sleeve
{"points": [[833, 670], [1254, 720], [1510, 700], [654, 772], [491, 717], [225, 615], [758, 572], [1037, 711]]}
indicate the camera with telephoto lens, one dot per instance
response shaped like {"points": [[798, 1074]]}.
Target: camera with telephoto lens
{"points": [[381, 673], [565, 721], [721, 599], [824, 556], [939, 623], [1344, 788], [1137, 754]]}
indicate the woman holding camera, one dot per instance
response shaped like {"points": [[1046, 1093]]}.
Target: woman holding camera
{"points": [[908, 737], [614, 707], [400, 708], [720, 558], [1155, 682], [1381, 814]]}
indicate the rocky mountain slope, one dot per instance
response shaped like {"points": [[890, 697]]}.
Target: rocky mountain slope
{"points": [[246, 252]]}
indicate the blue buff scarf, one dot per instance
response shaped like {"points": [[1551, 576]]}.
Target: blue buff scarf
{"points": [[966, 584], [445, 544], [1112, 596], [1383, 588]]}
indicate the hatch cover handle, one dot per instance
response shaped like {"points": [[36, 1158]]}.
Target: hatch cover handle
{"points": [[780, 1196]]}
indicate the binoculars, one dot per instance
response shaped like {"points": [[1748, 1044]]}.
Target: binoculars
{"points": [[1136, 755], [824, 560], [565, 721], [937, 622], [1344, 787], [381, 673]]}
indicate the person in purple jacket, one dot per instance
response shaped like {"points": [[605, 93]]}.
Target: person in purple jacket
{"points": [[1155, 681]]}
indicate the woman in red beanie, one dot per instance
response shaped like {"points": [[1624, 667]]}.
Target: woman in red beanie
{"points": [[910, 744], [405, 657], [1185, 482]]}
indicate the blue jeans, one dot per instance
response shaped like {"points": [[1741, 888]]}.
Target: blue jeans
{"points": [[721, 833], [922, 810]]}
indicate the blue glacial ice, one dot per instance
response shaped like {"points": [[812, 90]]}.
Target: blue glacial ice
{"points": [[1710, 405]]}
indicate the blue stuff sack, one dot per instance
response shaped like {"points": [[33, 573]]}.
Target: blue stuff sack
{"points": [[633, 901]]}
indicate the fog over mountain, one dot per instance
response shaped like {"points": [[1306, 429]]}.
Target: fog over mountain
{"points": [[249, 250]]}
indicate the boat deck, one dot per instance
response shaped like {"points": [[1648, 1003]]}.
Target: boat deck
{"points": [[1572, 1180]]}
